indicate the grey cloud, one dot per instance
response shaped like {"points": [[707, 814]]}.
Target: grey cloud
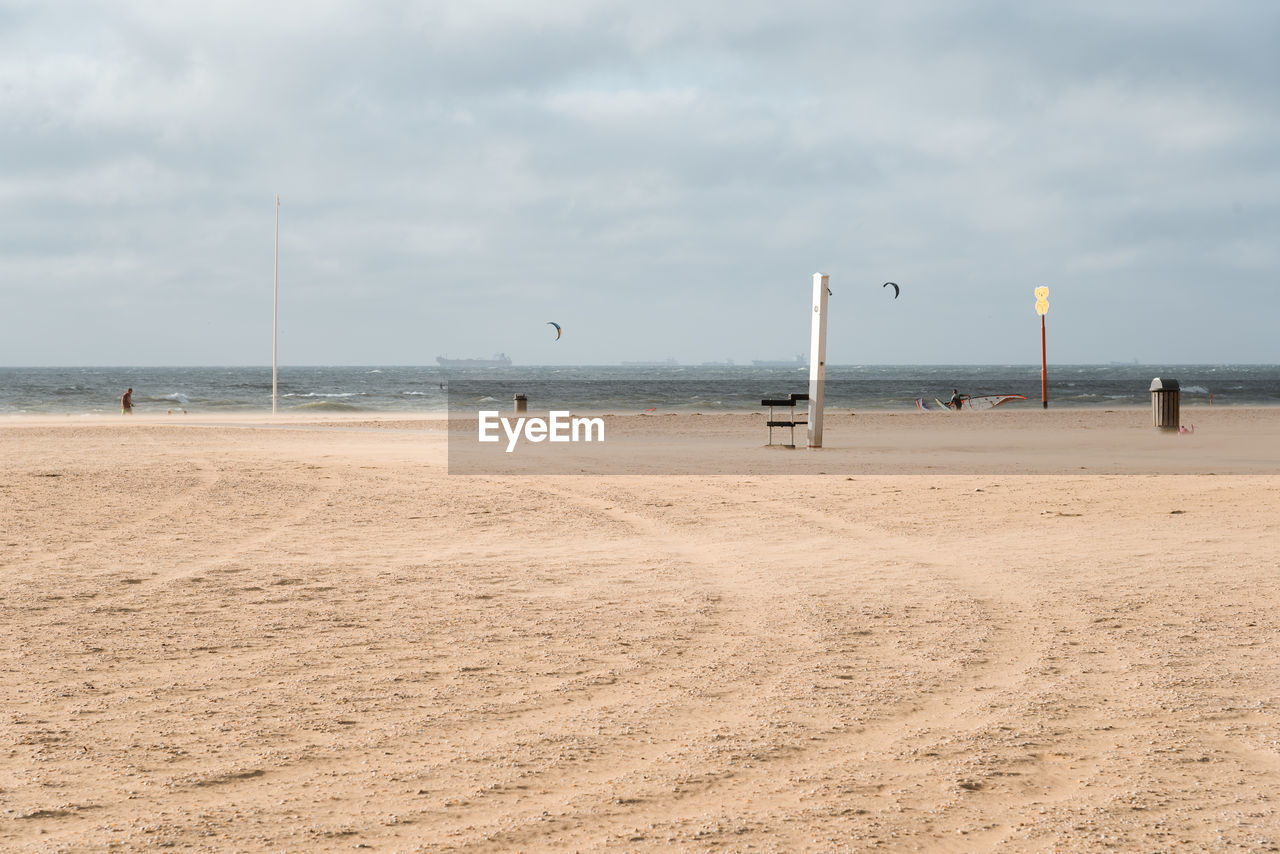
{"points": [[672, 167]]}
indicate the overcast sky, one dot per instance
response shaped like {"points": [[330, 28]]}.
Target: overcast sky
{"points": [[662, 179]]}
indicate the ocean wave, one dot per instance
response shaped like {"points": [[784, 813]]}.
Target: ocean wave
{"points": [[326, 406], [1195, 389], [324, 394]]}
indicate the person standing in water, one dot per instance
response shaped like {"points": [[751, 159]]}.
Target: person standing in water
{"points": [[126, 402]]}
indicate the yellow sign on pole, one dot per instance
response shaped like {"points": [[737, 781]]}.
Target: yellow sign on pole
{"points": [[1042, 308]]}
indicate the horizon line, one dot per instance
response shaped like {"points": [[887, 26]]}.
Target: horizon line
{"points": [[661, 364]]}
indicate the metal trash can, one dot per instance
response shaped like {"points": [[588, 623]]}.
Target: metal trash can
{"points": [[1164, 403], [522, 403]]}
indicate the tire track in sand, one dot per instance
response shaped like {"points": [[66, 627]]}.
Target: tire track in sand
{"points": [[960, 707], [972, 703], [714, 557]]}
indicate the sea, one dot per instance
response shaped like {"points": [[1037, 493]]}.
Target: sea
{"points": [[667, 388]]}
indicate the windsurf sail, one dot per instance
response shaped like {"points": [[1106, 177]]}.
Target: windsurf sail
{"points": [[990, 401]]}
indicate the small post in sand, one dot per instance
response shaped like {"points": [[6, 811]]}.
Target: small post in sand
{"points": [[817, 358]]}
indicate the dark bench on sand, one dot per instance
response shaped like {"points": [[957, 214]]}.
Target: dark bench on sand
{"points": [[790, 403]]}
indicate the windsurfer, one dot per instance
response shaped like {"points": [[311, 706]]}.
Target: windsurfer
{"points": [[957, 400]]}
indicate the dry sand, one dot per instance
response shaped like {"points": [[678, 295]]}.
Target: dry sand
{"points": [[306, 636]]}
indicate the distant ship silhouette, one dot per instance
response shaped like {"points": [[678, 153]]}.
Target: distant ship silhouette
{"points": [[798, 362], [501, 360]]}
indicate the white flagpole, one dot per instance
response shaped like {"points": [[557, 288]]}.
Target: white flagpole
{"points": [[275, 310]]}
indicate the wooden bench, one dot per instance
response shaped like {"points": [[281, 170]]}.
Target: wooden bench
{"points": [[789, 402]]}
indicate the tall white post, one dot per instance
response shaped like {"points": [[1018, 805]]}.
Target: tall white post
{"points": [[275, 310], [817, 358]]}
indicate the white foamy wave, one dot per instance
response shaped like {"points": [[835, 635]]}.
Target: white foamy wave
{"points": [[176, 397], [1195, 389], [322, 394], [325, 406]]}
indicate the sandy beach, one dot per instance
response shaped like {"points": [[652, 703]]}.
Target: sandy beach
{"points": [[1007, 631]]}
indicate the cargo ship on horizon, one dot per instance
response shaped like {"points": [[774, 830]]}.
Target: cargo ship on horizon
{"points": [[501, 360], [798, 362]]}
